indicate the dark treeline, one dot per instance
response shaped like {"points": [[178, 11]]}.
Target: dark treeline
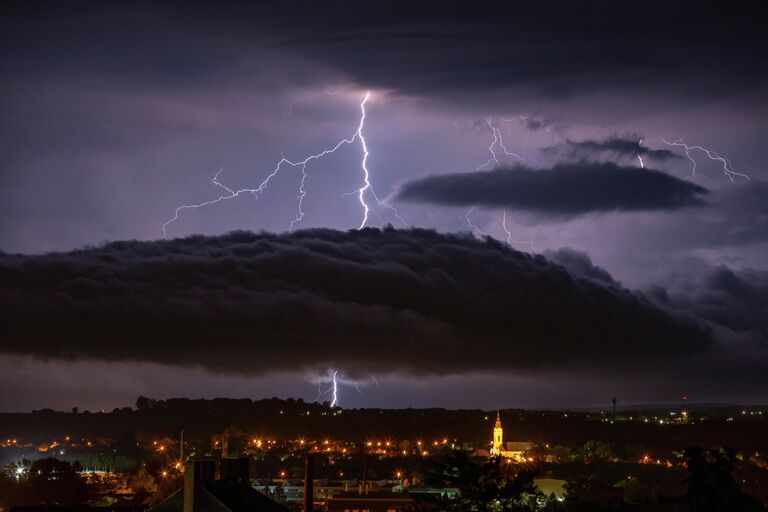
{"points": [[290, 419]]}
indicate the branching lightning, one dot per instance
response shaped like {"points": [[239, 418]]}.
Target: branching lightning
{"points": [[498, 140], [335, 381], [365, 190], [712, 155]]}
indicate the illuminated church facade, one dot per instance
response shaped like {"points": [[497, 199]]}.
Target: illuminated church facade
{"points": [[509, 450]]}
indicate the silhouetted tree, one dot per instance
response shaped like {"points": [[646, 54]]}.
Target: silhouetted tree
{"points": [[143, 403], [711, 486], [489, 486], [587, 488], [49, 482]]}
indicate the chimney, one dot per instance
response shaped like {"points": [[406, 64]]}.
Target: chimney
{"points": [[309, 484], [235, 469], [225, 445], [189, 487], [195, 473]]}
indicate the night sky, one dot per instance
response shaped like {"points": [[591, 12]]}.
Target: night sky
{"points": [[538, 235]]}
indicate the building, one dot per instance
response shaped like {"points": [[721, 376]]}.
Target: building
{"points": [[232, 492], [369, 502], [515, 450]]}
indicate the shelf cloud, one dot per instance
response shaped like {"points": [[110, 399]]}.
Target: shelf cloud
{"points": [[411, 301]]}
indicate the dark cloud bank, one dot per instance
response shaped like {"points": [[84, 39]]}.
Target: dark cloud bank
{"points": [[616, 147], [411, 301], [557, 49], [566, 189]]}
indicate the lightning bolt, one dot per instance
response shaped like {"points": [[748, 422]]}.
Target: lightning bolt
{"points": [[639, 157], [472, 226], [335, 382], [511, 240], [366, 174], [497, 140], [335, 390], [365, 190], [712, 155]]}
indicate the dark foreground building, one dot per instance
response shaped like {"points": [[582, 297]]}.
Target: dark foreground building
{"points": [[373, 502], [231, 492]]}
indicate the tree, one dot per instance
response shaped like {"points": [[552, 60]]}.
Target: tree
{"points": [[51, 482], [491, 486], [587, 488], [143, 403], [597, 450], [711, 486]]}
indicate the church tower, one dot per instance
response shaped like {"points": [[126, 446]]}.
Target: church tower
{"points": [[498, 436]]}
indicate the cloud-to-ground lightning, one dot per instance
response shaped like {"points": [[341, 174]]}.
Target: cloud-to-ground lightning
{"points": [[712, 155], [335, 382], [639, 156], [365, 190], [335, 390]]}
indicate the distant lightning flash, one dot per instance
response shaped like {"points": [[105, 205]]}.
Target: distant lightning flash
{"points": [[336, 381], [362, 192], [335, 389], [712, 155], [639, 156]]}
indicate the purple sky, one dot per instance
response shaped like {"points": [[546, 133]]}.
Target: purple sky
{"points": [[112, 117]]}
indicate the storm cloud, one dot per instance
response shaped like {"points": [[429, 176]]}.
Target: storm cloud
{"points": [[620, 148], [411, 301], [454, 50], [736, 299], [580, 264], [565, 190]]}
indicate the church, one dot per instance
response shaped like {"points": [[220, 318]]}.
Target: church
{"points": [[514, 450]]}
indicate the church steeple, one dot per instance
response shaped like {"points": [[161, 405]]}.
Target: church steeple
{"points": [[498, 436]]}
